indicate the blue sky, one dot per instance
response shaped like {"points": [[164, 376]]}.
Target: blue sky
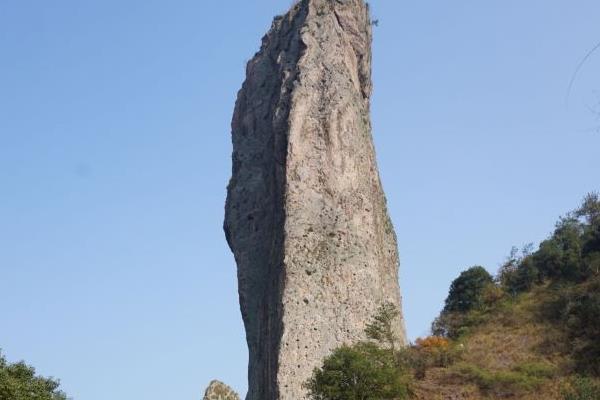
{"points": [[115, 155]]}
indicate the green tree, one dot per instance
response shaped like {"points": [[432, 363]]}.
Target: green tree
{"points": [[512, 277], [18, 381], [466, 291], [363, 371], [590, 208], [560, 257], [381, 328], [590, 211]]}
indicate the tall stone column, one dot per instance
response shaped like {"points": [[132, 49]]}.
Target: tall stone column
{"points": [[306, 215]]}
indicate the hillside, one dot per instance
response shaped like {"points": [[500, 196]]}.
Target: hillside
{"points": [[532, 332], [511, 351]]}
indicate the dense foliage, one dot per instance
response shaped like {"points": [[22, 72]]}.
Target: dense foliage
{"points": [[571, 254], [466, 291], [365, 370], [469, 294], [360, 372], [18, 381]]}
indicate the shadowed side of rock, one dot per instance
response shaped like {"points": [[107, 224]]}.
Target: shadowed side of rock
{"points": [[255, 209]]}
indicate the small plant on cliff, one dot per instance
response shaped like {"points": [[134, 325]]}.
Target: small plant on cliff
{"points": [[381, 328]]}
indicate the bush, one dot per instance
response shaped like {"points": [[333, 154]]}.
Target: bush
{"points": [[433, 343], [427, 353], [360, 372], [436, 351], [454, 325]]}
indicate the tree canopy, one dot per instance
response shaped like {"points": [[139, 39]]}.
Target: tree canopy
{"points": [[18, 381]]}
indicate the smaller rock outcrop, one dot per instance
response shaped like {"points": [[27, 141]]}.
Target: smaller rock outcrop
{"points": [[219, 391]]}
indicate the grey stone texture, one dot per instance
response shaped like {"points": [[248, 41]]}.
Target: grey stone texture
{"points": [[306, 215], [219, 391]]}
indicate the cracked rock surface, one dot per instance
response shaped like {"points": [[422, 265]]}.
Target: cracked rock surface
{"points": [[306, 215]]}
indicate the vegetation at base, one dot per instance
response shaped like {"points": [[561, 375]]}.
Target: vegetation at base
{"points": [[532, 332], [365, 370], [18, 381]]}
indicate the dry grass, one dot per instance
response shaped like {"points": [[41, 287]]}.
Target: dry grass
{"points": [[509, 356]]}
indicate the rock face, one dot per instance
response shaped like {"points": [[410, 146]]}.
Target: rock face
{"points": [[219, 391], [306, 215]]}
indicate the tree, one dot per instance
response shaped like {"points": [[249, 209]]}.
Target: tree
{"points": [[590, 208], [511, 275], [381, 328], [18, 381], [466, 291], [560, 256], [360, 372], [365, 370]]}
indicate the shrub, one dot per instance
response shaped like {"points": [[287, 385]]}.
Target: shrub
{"points": [[360, 372], [437, 351], [430, 352], [454, 325], [537, 369], [492, 295], [432, 343]]}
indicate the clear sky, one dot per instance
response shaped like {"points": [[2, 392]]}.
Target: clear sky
{"points": [[115, 154]]}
